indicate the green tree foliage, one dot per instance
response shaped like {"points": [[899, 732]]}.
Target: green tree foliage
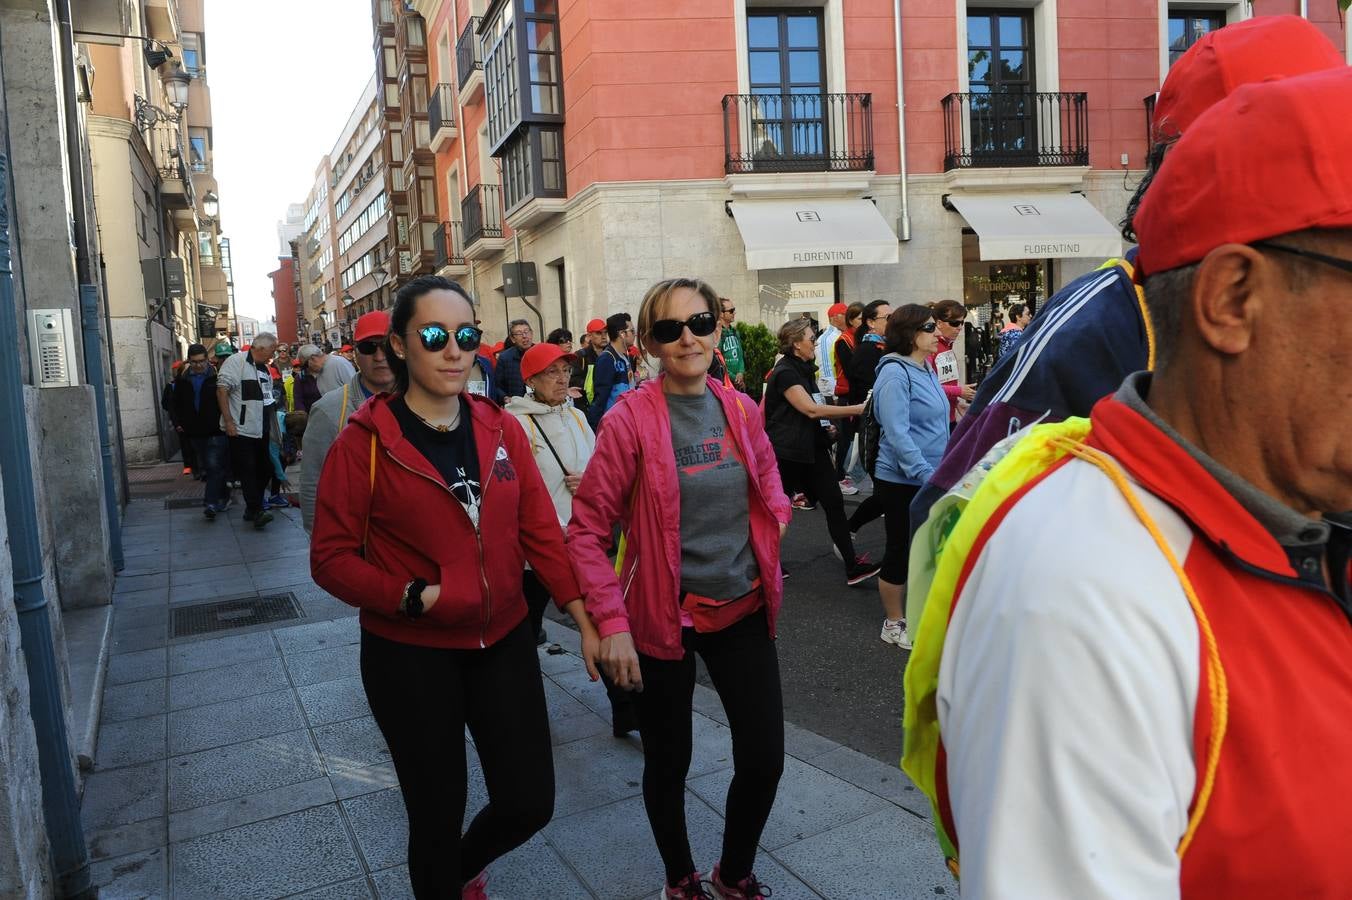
{"points": [[760, 347]]}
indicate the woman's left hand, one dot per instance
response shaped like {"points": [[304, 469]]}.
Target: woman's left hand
{"points": [[571, 482], [783, 529], [591, 640]]}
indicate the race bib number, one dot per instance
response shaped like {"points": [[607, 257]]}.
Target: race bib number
{"points": [[946, 364], [477, 387]]}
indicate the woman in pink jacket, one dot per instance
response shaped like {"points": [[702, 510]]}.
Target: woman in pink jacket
{"points": [[684, 466]]}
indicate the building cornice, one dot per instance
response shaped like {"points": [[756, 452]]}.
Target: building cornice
{"points": [[122, 130]]}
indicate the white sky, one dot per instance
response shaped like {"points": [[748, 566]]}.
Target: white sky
{"points": [[284, 77]]}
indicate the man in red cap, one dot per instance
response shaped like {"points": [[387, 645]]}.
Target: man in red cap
{"points": [[1144, 688], [330, 412], [593, 342], [1093, 332]]}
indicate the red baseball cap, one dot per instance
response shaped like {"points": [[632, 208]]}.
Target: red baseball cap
{"points": [[836, 309], [371, 326], [596, 325], [1253, 50], [540, 357], [1270, 159]]}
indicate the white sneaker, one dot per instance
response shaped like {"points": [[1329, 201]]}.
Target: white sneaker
{"points": [[895, 633], [847, 486]]}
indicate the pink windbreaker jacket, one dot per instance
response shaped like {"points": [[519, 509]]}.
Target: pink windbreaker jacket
{"points": [[631, 479]]}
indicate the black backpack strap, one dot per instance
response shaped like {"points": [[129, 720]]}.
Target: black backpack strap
{"points": [[548, 443]]}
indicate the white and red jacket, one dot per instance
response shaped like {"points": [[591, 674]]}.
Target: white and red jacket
{"points": [[1075, 698]]}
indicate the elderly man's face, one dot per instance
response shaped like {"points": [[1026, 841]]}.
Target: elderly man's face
{"points": [[1275, 402], [523, 337], [261, 353]]}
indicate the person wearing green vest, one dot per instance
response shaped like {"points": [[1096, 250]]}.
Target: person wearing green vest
{"points": [[730, 345]]}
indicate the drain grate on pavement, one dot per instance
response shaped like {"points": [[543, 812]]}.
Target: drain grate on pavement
{"points": [[241, 612]]}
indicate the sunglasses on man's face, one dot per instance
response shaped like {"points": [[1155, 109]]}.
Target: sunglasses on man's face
{"points": [[956, 323], [435, 337], [668, 331], [369, 348]]}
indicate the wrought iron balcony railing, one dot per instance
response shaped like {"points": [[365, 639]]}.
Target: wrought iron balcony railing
{"points": [[481, 211], [995, 130], [468, 51], [441, 108], [447, 245], [779, 132]]}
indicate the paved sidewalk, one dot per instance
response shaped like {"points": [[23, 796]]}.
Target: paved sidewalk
{"points": [[248, 766]]}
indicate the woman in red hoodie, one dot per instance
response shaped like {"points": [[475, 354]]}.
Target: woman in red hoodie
{"points": [[685, 466], [428, 508]]}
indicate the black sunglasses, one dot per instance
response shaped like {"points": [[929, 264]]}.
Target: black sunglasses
{"points": [[668, 331], [368, 348], [436, 337], [1344, 265], [929, 327], [956, 323]]}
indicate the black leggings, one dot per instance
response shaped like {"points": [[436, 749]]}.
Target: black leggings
{"points": [[845, 432], [537, 599], [892, 501], [422, 699], [744, 667], [818, 480]]}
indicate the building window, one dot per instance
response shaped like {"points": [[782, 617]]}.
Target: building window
{"points": [[206, 251], [1187, 28], [386, 12], [1001, 80], [197, 150], [413, 27], [192, 53], [542, 57], [368, 218], [532, 166], [500, 75], [141, 228], [787, 70]]}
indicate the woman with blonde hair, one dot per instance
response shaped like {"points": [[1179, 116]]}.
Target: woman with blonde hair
{"points": [[685, 467]]}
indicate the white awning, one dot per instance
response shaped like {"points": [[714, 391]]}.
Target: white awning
{"points": [[1028, 226], [786, 234]]}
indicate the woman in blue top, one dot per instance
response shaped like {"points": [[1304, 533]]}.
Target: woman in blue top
{"points": [[912, 409]]}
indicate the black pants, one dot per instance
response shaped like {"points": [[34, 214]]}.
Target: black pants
{"points": [[818, 480], [894, 503], [537, 599], [187, 451], [845, 432], [422, 699], [744, 666]]}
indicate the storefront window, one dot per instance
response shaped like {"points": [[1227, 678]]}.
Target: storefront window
{"points": [[989, 288], [788, 293]]}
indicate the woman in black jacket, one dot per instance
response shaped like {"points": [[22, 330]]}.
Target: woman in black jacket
{"points": [[795, 421], [868, 349]]}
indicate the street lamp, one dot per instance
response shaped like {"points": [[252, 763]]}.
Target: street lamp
{"points": [[211, 205], [176, 82]]}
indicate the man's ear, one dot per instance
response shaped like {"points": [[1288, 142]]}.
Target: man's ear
{"points": [[1229, 291]]}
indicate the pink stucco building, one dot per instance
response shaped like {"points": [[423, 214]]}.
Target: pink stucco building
{"points": [[615, 142]]}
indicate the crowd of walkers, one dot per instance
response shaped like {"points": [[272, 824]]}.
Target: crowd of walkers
{"points": [[584, 477], [1129, 666]]}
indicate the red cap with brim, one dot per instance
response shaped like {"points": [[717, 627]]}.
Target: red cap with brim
{"points": [[836, 309], [596, 325], [1270, 159], [1253, 50], [541, 357], [371, 326]]}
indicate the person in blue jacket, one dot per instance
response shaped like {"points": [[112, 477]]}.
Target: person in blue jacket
{"points": [[912, 410], [613, 374]]}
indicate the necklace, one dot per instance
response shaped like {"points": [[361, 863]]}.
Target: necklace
{"points": [[455, 420]]}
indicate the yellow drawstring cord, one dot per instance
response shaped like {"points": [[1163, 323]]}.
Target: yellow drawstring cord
{"points": [[1218, 688]]}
